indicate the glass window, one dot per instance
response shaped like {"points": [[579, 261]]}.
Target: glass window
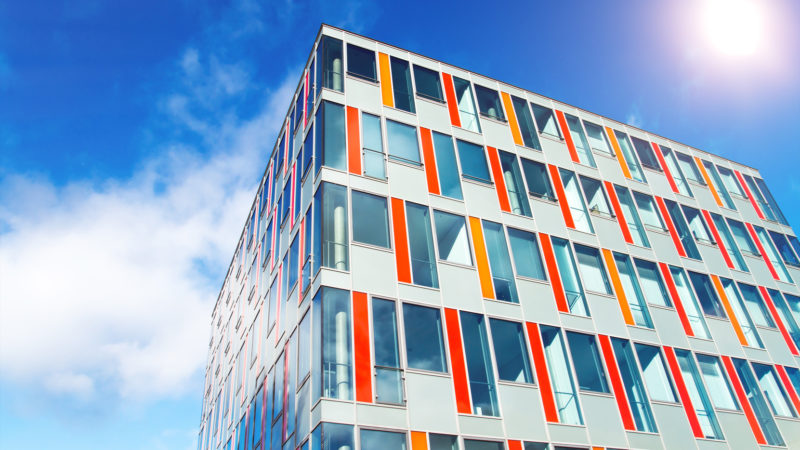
{"points": [[728, 242], [756, 194], [510, 351], [401, 82], [785, 250], [655, 373], [332, 226], [489, 102], [466, 105], [631, 216], [795, 244], [597, 137], [575, 201], [593, 272], [479, 364], [758, 402], [337, 357], [382, 440], [304, 348], [697, 225], [634, 387], [472, 444], [446, 165], [420, 243], [500, 263], [755, 305], [689, 168], [794, 376], [684, 233], [294, 264], [633, 292], [451, 238], [718, 186], [689, 302], [585, 357], [374, 163], [332, 436], [361, 63], [329, 56], [442, 442], [729, 180], [705, 292], [772, 254], [652, 285], [512, 176], [473, 162], [785, 315], [401, 139], [255, 418], [528, 130], [698, 395], [647, 211], [771, 200], [333, 136], [545, 120], [372, 226], [580, 141], [525, 249], [561, 376], [740, 311], [388, 374], [627, 153], [428, 83], [595, 196], [424, 342], [569, 277], [742, 237], [716, 382], [538, 180], [675, 171], [645, 152]]}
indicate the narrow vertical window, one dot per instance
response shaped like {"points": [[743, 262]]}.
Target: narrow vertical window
{"points": [[334, 242], [741, 313], [718, 388], [634, 388], [689, 302], [489, 103], [446, 165], [502, 273], [479, 364], [381, 440], [777, 398], [372, 226], [742, 237], [510, 351], [655, 374], [374, 161], [561, 376], [388, 372], [630, 158], [401, 82], [538, 181], [586, 358], [755, 306], [631, 216], [402, 142], [785, 315], [580, 141], [332, 143], [473, 162], [420, 243], [592, 270], [762, 202], [722, 192], [647, 211], [758, 402], [337, 357], [545, 121], [451, 238], [645, 152], [428, 83], [652, 285], [785, 250], [466, 105], [698, 395], [595, 196], [575, 200], [675, 170], [330, 64], [528, 130], [771, 200], [597, 138], [569, 277], [705, 292], [772, 254], [633, 292], [730, 244], [424, 341], [525, 249], [361, 63], [684, 233], [729, 181], [514, 184], [696, 225], [689, 168]]}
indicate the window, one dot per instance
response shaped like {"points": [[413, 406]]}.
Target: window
{"points": [[697, 393], [682, 229], [428, 83], [647, 211], [451, 238], [255, 418], [525, 120], [372, 226], [361, 63], [561, 376], [688, 168], [545, 120], [728, 242], [575, 201], [717, 185], [597, 138], [525, 250], [304, 348], [729, 180], [696, 224], [588, 368], [689, 302], [785, 250], [333, 307], [716, 382], [772, 254], [627, 153], [634, 388], [489, 103], [401, 82], [473, 162], [510, 351], [446, 165], [331, 142], [569, 277], [631, 216], [512, 176], [593, 272], [329, 57], [755, 305], [771, 201], [330, 220], [466, 105], [645, 152], [675, 171], [785, 315], [758, 402], [479, 364], [388, 373], [332, 436], [424, 342], [633, 292], [499, 262], [595, 196], [420, 243], [655, 374], [795, 244], [740, 311], [471, 444], [580, 141], [382, 440], [538, 181], [705, 292], [374, 163], [401, 139], [742, 237], [756, 194], [442, 442], [772, 389], [294, 264]]}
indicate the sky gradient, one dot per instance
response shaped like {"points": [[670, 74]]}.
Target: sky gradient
{"points": [[133, 136]]}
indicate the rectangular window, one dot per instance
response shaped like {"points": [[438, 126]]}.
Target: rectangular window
{"points": [[771, 200], [647, 211], [332, 226], [545, 120], [473, 162], [479, 364], [499, 262], [634, 387], [645, 152], [489, 103], [762, 202], [729, 180], [361, 63], [785, 250], [740, 311], [795, 244], [652, 285], [697, 225], [592, 270], [772, 254], [698, 395], [525, 249], [561, 376], [580, 141], [388, 373], [424, 341], [401, 139], [758, 402], [597, 138], [329, 57], [528, 130], [705, 292], [442, 442], [772, 389], [630, 157], [331, 144], [255, 418], [372, 226], [755, 305], [428, 83], [471, 444], [728, 241], [512, 176], [689, 168], [585, 357], [538, 181], [308, 246], [718, 186], [510, 351], [381, 440], [337, 356], [312, 81], [420, 243], [631, 216], [575, 200], [595, 196], [785, 315], [401, 82], [742, 237], [633, 292], [689, 302], [294, 265], [451, 238], [332, 436], [446, 165], [683, 230], [675, 170], [716, 382], [569, 277], [466, 105], [655, 374], [304, 348], [374, 161]]}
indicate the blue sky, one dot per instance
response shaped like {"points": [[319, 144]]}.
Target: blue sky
{"points": [[133, 135]]}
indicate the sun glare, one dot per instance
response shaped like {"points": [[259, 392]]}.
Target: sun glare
{"points": [[734, 27]]}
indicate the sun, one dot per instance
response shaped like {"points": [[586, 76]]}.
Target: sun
{"points": [[734, 27]]}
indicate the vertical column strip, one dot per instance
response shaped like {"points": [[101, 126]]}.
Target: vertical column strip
{"points": [[452, 103], [740, 394], [419, 440], [353, 141], [363, 364], [749, 194], [512, 118], [499, 180], [623, 224], [707, 178], [729, 310], [671, 226], [788, 385], [401, 241], [760, 248], [561, 195], [567, 136], [481, 259], [620, 293], [618, 153], [552, 272], [664, 166], [300, 252], [676, 299], [292, 212], [429, 159], [720, 243], [683, 393], [457, 361], [386, 80], [777, 318], [540, 365], [616, 383], [305, 100]]}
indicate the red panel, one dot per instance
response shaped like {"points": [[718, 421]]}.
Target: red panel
{"points": [[671, 226], [749, 194], [562, 196], [781, 326], [552, 271], [499, 181], [278, 305], [664, 166], [353, 141], [740, 394], [616, 383], [305, 101], [430, 161], [567, 136], [272, 240], [623, 224], [514, 445], [720, 244], [761, 250], [683, 393], [452, 102], [286, 148], [363, 365], [457, 361], [401, 241], [285, 388], [292, 180], [300, 252], [540, 364], [788, 385], [676, 299]]}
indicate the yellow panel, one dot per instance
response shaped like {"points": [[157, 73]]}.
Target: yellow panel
{"points": [[386, 79]]}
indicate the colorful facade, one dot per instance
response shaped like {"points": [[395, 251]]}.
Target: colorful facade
{"points": [[438, 260]]}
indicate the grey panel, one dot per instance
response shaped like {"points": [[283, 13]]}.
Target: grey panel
{"points": [[433, 413], [523, 415], [673, 426], [604, 427], [460, 287], [736, 430], [373, 270]]}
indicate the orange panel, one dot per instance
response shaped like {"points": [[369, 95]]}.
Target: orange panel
{"points": [[729, 310], [512, 120], [623, 224], [452, 102], [401, 241], [567, 136], [676, 299], [616, 382], [386, 79], [499, 181], [620, 293], [353, 141], [749, 194], [708, 180], [618, 152], [540, 364], [457, 361], [419, 440], [552, 271], [430, 161], [514, 445], [561, 195], [361, 347], [482, 261]]}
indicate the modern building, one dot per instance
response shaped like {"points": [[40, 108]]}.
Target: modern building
{"points": [[436, 260]]}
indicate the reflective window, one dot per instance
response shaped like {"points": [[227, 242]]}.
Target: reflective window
{"points": [[707, 295], [772, 254], [401, 82], [634, 387], [689, 302], [374, 163], [388, 374], [446, 165], [716, 382], [697, 225], [337, 357], [489, 102], [361, 63], [561, 376], [727, 241], [329, 57], [372, 226], [722, 192], [330, 219], [595, 196], [538, 180], [525, 249], [382, 440], [785, 315], [332, 436], [568, 272], [304, 348], [597, 137], [525, 120], [331, 143], [466, 105], [473, 162], [652, 285], [645, 152], [655, 373], [451, 238], [500, 262], [674, 169], [471, 444], [759, 198], [758, 402], [428, 83], [580, 141], [684, 233], [631, 216], [545, 120], [510, 351], [785, 250], [755, 305], [698, 395], [586, 358], [420, 243], [740, 311], [512, 176], [627, 153], [442, 442], [795, 244], [742, 237], [575, 201], [401, 139], [647, 211], [633, 292], [771, 200], [729, 180], [424, 341], [689, 168], [777, 398], [479, 364], [593, 272]]}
